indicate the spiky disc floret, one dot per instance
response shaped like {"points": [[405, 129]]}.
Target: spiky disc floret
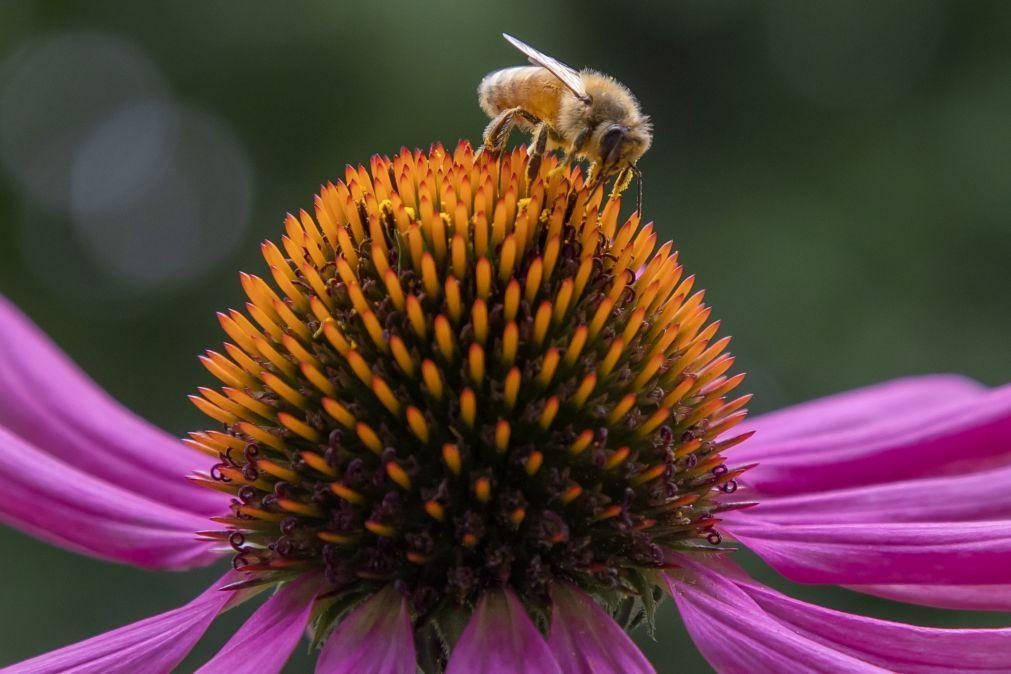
{"points": [[465, 382]]}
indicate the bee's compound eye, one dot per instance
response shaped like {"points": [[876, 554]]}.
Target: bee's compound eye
{"points": [[611, 141]]}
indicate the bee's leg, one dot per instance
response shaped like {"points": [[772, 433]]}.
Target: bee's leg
{"points": [[594, 176], [496, 134], [621, 182], [538, 146]]}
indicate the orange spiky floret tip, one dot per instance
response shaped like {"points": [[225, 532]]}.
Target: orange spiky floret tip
{"points": [[460, 381]]}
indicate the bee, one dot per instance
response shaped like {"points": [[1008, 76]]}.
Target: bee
{"points": [[586, 114]]}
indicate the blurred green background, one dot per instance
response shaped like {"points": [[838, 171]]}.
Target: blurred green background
{"points": [[838, 174]]}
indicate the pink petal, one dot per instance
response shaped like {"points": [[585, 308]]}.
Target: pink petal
{"points": [[54, 406], [156, 644], [501, 639], [265, 642], [375, 638], [964, 553], [743, 626], [964, 597], [940, 429], [585, 640], [47, 498], [983, 495]]}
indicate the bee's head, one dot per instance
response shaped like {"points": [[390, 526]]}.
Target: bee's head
{"points": [[621, 145]]}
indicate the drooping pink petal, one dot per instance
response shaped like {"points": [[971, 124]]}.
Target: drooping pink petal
{"points": [[265, 642], [501, 639], [949, 428], [48, 499], [964, 553], [963, 597], [156, 644], [585, 640], [375, 638], [743, 626], [54, 406], [982, 495]]}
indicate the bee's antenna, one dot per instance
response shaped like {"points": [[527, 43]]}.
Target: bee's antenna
{"points": [[638, 190]]}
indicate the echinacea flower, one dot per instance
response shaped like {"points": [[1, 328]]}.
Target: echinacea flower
{"points": [[480, 426]]}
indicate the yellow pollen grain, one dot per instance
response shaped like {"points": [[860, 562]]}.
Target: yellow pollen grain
{"points": [[533, 281], [482, 489], [482, 278], [368, 437], [386, 395], [502, 430], [479, 320], [548, 367], [346, 493], [394, 289], [454, 305], [468, 407], [542, 319], [548, 413], [417, 316], [338, 412], [430, 276], [432, 378], [398, 474], [299, 427], [435, 510], [416, 422], [284, 390], [402, 356], [511, 387], [611, 357], [511, 302], [534, 462]]}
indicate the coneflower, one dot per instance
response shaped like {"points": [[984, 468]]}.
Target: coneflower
{"points": [[477, 424]]}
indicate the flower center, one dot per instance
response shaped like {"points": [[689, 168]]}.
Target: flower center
{"points": [[465, 383]]}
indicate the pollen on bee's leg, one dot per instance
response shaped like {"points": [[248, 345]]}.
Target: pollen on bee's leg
{"points": [[468, 374]]}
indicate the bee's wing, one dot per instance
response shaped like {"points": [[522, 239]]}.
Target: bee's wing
{"points": [[569, 77]]}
